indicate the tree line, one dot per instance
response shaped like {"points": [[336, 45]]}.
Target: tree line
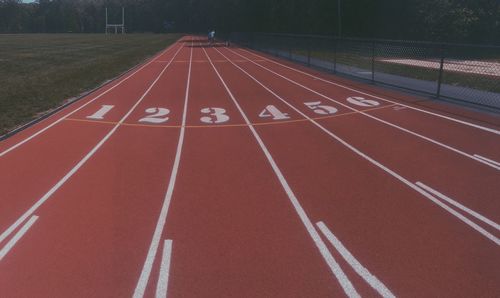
{"points": [[468, 21]]}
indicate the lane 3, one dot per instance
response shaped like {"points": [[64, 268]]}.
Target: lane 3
{"points": [[233, 232], [91, 236], [415, 159], [409, 244]]}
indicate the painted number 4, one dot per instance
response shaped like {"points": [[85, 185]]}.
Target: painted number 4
{"points": [[272, 111]]}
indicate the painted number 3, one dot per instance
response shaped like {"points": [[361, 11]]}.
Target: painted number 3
{"points": [[215, 115]]}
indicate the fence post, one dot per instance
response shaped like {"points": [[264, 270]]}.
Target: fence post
{"points": [[373, 61], [308, 41], [440, 77], [335, 55]]}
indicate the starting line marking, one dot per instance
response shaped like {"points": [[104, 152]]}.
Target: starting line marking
{"points": [[5, 250], [230, 125], [371, 279]]}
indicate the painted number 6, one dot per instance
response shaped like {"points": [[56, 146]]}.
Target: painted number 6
{"points": [[362, 102]]}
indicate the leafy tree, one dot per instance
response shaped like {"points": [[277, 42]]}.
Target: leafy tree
{"points": [[436, 20]]}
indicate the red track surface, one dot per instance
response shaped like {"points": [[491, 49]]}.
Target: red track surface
{"points": [[336, 197]]}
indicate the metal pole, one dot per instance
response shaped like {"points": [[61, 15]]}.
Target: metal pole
{"points": [[123, 20], [106, 29], [440, 78], [339, 19], [308, 51], [335, 57], [373, 61]]}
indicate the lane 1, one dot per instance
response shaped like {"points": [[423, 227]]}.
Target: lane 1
{"points": [[33, 131], [412, 246], [28, 172], [91, 238]]}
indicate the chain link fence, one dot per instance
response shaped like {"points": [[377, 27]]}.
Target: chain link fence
{"points": [[466, 73]]}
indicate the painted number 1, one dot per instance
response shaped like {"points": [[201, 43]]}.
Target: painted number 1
{"points": [[99, 115]]}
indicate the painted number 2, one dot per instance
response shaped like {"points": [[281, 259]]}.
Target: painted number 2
{"points": [[216, 115], [157, 115]]}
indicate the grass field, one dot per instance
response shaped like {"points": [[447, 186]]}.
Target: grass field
{"points": [[38, 72], [455, 78]]}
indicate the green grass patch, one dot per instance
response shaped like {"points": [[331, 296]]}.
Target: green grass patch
{"points": [[469, 80], [39, 71]]}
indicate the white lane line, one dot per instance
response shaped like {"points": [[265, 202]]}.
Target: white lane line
{"points": [[459, 206], [162, 286], [81, 107], [60, 183], [376, 118], [488, 160], [373, 161], [344, 281], [5, 250], [381, 98], [458, 215], [371, 279], [153, 248]]}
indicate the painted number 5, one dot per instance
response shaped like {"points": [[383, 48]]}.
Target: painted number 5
{"points": [[318, 108], [216, 115]]}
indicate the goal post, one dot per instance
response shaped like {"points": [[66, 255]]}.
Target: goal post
{"points": [[115, 28]]}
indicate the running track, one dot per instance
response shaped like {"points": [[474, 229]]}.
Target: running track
{"points": [[220, 172]]}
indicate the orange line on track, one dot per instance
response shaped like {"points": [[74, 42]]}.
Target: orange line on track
{"points": [[205, 61], [229, 125]]}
